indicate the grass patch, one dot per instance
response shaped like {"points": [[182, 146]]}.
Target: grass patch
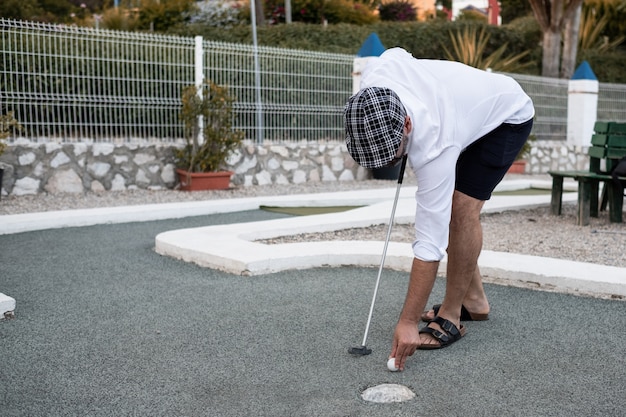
{"points": [[307, 211]]}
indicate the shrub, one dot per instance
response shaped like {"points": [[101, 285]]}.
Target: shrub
{"points": [[398, 11], [8, 124], [219, 139]]}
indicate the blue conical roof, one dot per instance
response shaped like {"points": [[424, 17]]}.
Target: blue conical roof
{"points": [[371, 47], [584, 72]]}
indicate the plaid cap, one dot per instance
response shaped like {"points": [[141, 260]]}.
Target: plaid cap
{"points": [[374, 121]]}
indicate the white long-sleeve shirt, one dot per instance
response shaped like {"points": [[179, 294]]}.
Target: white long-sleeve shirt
{"points": [[451, 105]]}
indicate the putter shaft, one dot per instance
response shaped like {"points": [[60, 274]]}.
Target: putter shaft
{"points": [[382, 260]]}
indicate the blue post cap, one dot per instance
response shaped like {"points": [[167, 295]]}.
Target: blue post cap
{"points": [[584, 72], [371, 47]]}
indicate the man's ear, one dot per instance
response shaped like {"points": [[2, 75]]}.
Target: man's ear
{"points": [[408, 125]]}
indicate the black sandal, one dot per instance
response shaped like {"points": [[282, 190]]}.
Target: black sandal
{"points": [[466, 315], [449, 335]]}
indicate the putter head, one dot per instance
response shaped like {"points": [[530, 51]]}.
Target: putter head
{"points": [[360, 351]]}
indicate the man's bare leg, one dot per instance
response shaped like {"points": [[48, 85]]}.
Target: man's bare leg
{"points": [[475, 300], [463, 282]]}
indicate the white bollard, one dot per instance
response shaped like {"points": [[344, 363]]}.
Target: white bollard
{"points": [[582, 106]]}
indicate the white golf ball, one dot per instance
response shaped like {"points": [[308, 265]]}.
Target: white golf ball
{"points": [[391, 365]]}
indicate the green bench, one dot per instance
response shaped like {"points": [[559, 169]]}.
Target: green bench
{"points": [[608, 146]]}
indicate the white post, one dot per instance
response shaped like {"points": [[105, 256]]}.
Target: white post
{"points": [[582, 107], [199, 80], [257, 76], [287, 11]]}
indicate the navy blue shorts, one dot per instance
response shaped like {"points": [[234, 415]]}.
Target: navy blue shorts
{"points": [[482, 165]]}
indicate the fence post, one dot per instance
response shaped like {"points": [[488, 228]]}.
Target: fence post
{"points": [[582, 106], [370, 48], [257, 76], [199, 80]]}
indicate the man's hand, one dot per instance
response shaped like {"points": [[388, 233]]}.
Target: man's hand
{"points": [[406, 340]]}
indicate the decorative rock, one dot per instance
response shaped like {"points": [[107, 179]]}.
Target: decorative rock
{"points": [[99, 169], [79, 148], [27, 158], [120, 159], [336, 164], [118, 183], [102, 149], [289, 165], [52, 146], [97, 187], [280, 150], [248, 164], [273, 164], [314, 176], [59, 159], [65, 181], [299, 177], [25, 186], [141, 178], [168, 175], [281, 179], [263, 178], [327, 174], [39, 170], [142, 158], [388, 393]]}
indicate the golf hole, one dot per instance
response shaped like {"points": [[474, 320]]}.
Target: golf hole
{"points": [[388, 393]]}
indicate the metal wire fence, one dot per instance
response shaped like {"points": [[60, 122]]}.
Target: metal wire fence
{"points": [[68, 84], [73, 83]]}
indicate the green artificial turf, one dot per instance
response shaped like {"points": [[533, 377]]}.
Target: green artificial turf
{"points": [[307, 211]]}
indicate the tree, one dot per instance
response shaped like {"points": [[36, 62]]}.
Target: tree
{"points": [[553, 17], [513, 9]]}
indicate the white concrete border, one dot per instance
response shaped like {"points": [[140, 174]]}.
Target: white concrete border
{"points": [[232, 248]]}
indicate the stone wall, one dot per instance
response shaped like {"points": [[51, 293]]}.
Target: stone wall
{"points": [[556, 156], [32, 168]]}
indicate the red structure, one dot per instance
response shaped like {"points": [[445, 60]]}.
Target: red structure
{"points": [[493, 12]]}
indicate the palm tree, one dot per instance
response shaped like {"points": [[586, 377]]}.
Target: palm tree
{"points": [[553, 17], [468, 47]]}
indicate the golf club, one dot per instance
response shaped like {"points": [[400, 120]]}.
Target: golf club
{"points": [[363, 350]]}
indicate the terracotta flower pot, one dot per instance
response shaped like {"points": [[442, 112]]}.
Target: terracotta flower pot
{"points": [[518, 167], [198, 181]]}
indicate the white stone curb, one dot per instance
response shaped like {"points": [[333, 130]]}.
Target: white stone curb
{"points": [[231, 248]]}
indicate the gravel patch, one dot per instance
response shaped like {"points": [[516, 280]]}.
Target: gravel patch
{"points": [[529, 231], [50, 202]]}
